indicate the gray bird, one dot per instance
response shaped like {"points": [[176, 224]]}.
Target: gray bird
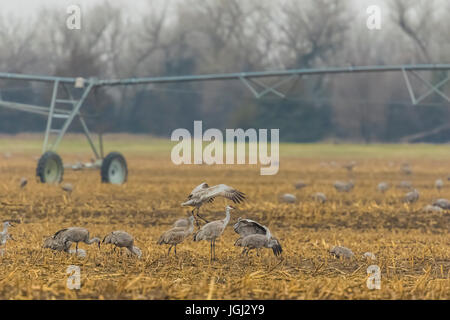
{"points": [[411, 197], [288, 198], [319, 197], [176, 235], [57, 244], [439, 184], [406, 169], [405, 185], [349, 166], [254, 235], [383, 186], [203, 193], [442, 203], [213, 230], [4, 235], [432, 208], [342, 252], [76, 234], [67, 187], [300, 184], [342, 186], [122, 239], [23, 182]]}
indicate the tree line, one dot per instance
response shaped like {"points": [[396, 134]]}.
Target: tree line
{"points": [[220, 36]]}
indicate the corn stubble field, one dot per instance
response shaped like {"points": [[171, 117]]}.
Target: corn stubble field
{"points": [[412, 247]]}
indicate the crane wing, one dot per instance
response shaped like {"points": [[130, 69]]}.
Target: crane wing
{"points": [[245, 227], [198, 188], [222, 190], [60, 232]]}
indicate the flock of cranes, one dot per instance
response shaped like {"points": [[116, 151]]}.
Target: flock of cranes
{"points": [[252, 235]]}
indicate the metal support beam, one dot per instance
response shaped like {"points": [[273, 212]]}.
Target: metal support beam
{"points": [[83, 124], [431, 86], [72, 115], [50, 116]]}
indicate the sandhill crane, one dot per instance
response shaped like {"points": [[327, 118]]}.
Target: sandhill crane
{"points": [[60, 245], [383, 186], [442, 203], [205, 194], [57, 244], [4, 235], [406, 169], [405, 185], [349, 166], [122, 239], [319, 197], [439, 184], [213, 230], [67, 187], [254, 235], [369, 256], [432, 208], [411, 197], [76, 234], [342, 252], [342, 186], [23, 182], [288, 198], [176, 235], [300, 184], [258, 241]]}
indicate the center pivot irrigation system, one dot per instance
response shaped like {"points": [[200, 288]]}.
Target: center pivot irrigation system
{"points": [[113, 167]]}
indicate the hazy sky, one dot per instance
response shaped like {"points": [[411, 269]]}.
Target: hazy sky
{"points": [[29, 7]]}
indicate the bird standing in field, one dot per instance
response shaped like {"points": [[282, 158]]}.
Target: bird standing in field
{"points": [[75, 234], [213, 230], [254, 235], [205, 194], [383, 186], [67, 187], [439, 184], [4, 235], [343, 186], [176, 235], [319, 197], [122, 239], [23, 182], [411, 197], [56, 244], [442, 203], [60, 245]]}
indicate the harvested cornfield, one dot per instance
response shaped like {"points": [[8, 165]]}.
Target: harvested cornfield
{"points": [[412, 247]]}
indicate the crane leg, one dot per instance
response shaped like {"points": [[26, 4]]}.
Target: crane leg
{"points": [[198, 215], [76, 249], [175, 248], [210, 255], [169, 250]]}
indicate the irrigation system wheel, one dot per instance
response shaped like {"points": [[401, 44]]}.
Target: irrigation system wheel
{"points": [[50, 168], [114, 169]]}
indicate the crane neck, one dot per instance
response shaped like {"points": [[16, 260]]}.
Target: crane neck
{"points": [[5, 229], [227, 217]]}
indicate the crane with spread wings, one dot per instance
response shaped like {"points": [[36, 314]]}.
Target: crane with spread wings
{"points": [[203, 193]]}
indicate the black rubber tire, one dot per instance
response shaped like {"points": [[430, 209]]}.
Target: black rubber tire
{"points": [[115, 158], [43, 170]]}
